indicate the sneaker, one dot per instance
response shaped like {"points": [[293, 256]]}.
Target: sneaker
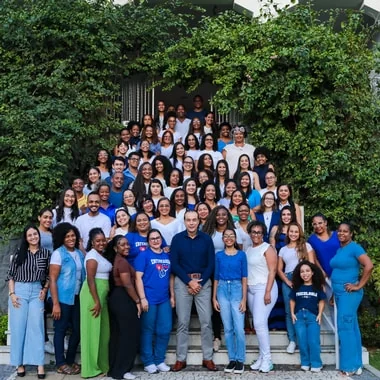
{"points": [[239, 368], [151, 368], [129, 376], [162, 367], [216, 344], [230, 367], [315, 369], [266, 367], [291, 348], [359, 371], [305, 367], [49, 347], [256, 365]]}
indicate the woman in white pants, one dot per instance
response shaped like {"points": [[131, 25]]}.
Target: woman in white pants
{"points": [[262, 290]]}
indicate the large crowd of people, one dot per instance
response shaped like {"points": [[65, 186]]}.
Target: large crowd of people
{"points": [[180, 212]]}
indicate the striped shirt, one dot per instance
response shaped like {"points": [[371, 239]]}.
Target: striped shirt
{"points": [[34, 268]]}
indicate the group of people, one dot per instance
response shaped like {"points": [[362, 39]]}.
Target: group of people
{"points": [[155, 231]]}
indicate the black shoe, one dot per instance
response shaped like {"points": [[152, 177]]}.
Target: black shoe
{"points": [[239, 367], [230, 368], [41, 375], [21, 374]]}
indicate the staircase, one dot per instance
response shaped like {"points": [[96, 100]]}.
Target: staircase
{"points": [[278, 339]]}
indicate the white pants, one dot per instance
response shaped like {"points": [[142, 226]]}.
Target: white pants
{"points": [[260, 313]]}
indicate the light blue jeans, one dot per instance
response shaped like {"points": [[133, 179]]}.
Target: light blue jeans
{"points": [[288, 318], [350, 340], [156, 325], [308, 336], [27, 325], [229, 295]]}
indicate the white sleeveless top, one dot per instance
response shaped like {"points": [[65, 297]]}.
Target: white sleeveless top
{"points": [[257, 264]]}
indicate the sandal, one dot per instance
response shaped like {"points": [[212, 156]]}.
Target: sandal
{"points": [[65, 369], [76, 368]]}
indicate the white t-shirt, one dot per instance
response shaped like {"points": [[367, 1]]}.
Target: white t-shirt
{"points": [[85, 223], [217, 239], [182, 127], [65, 218], [290, 257], [167, 152], [57, 260], [168, 191], [194, 154], [263, 191], [247, 241], [216, 156], [233, 153], [257, 264], [168, 230], [104, 266]]}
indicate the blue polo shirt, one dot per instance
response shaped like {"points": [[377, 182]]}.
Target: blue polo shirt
{"points": [[192, 255]]}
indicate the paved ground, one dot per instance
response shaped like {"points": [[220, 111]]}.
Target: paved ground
{"points": [[196, 373]]}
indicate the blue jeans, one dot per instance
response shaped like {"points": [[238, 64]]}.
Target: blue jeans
{"points": [[229, 295], [308, 337], [288, 319], [27, 325], [70, 317], [156, 325], [350, 341]]}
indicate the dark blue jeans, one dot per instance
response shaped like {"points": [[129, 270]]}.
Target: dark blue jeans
{"points": [[70, 317]]}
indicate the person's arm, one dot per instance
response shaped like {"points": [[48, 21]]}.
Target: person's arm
{"points": [[280, 272], [12, 294], [292, 304], [311, 256], [141, 292], [321, 306], [175, 249], [272, 240], [256, 181], [224, 153], [271, 258], [367, 264], [211, 261], [298, 213], [91, 268], [126, 280], [172, 294], [54, 272], [214, 298], [243, 302]]}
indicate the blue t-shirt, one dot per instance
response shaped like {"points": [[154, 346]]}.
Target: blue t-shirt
{"points": [[307, 297], [116, 198], [345, 265], [254, 199], [138, 244], [156, 278], [325, 250], [110, 212], [229, 267]]}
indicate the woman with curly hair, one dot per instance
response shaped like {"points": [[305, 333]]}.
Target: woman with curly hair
{"points": [[209, 194], [67, 209], [295, 250], [140, 185], [161, 167]]}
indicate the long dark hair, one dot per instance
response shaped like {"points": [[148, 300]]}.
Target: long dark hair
{"points": [[281, 224], [172, 201], [165, 162], [91, 235], [22, 252], [211, 224], [61, 205], [318, 279]]}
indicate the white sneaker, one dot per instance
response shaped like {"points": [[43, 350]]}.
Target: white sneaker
{"points": [[151, 368], [162, 367], [256, 365], [129, 376], [49, 347], [291, 348], [266, 367], [315, 369], [305, 368], [359, 371], [216, 344]]}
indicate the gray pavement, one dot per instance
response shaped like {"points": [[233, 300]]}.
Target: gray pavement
{"points": [[197, 373]]}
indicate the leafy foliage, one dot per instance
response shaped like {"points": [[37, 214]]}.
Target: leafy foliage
{"points": [[304, 86], [61, 65]]}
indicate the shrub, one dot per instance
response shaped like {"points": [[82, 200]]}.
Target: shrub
{"points": [[3, 329]]}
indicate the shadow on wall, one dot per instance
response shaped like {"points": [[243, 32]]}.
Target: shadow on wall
{"points": [[6, 250]]}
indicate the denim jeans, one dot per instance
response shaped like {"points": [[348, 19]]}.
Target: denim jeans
{"points": [[27, 325], [70, 317], [308, 337], [350, 341], [288, 319], [156, 325], [229, 295]]}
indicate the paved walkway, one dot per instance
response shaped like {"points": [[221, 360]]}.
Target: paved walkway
{"points": [[196, 373]]}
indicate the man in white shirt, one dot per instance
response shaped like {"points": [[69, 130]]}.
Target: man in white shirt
{"points": [[270, 180], [92, 219], [183, 123], [232, 152]]}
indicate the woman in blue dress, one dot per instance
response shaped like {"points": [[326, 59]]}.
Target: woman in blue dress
{"points": [[348, 293]]}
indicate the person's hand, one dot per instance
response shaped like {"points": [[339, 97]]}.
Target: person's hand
{"points": [[243, 306], [216, 305], [144, 305], [42, 294], [96, 309], [15, 301], [319, 318], [351, 287], [172, 301], [267, 298], [139, 310], [294, 318], [56, 312], [166, 249], [331, 301], [195, 285], [289, 283]]}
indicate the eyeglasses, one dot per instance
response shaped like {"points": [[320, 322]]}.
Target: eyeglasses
{"points": [[133, 159], [256, 233], [228, 236], [187, 162], [155, 238]]}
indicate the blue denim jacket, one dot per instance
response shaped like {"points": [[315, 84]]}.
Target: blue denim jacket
{"points": [[67, 277]]}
